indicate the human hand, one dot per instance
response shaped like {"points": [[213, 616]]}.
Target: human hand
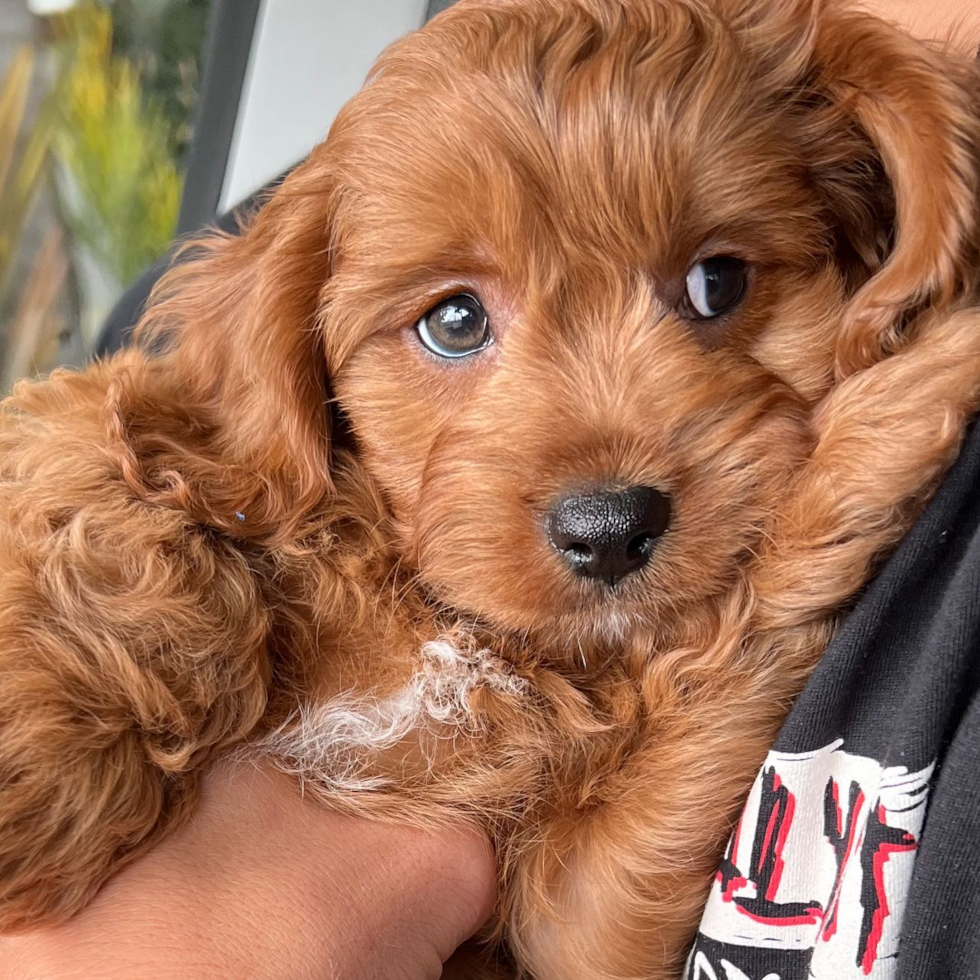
{"points": [[265, 885]]}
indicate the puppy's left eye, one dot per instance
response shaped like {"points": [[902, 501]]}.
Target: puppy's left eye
{"points": [[455, 327], [714, 286]]}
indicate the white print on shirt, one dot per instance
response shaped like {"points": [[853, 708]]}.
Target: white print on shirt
{"points": [[821, 860]]}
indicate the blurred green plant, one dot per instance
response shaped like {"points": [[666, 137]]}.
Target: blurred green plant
{"points": [[29, 325], [164, 38], [23, 157], [122, 196], [113, 121]]}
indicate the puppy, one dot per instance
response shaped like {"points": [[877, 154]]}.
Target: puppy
{"points": [[517, 462]]}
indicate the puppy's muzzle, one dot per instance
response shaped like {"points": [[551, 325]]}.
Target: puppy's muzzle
{"points": [[607, 534]]}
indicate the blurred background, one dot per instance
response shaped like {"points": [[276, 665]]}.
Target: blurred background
{"points": [[127, 123]]}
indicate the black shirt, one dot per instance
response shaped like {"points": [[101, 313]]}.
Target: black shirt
{"points": [[858, 852]]}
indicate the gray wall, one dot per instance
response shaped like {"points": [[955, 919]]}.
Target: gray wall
{"points": [[308, 58]]}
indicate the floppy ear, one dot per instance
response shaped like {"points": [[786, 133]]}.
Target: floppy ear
{"points": [[233, 331], [922, 122], [876, 102]]}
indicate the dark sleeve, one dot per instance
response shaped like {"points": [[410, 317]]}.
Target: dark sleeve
{"points": [[941, 930]]}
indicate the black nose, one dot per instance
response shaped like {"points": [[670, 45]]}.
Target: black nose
{"points": [[607, 534]]}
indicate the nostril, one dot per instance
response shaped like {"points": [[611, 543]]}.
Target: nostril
{"points": [[639, 548], [578, 553]]}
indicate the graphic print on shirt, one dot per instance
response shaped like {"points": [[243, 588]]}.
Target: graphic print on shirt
{"points": [[817, 871]]}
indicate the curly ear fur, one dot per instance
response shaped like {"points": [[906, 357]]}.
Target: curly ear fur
{"points": [[923, 125], [133, 638], [132, 645], [915, 112], [889, 109], [237, 318]]}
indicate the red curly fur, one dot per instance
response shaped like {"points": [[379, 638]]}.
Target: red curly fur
{"points": [[280, 498]]}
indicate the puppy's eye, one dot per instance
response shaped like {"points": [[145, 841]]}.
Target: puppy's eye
{"points": [[714, 286], [455, 327]]}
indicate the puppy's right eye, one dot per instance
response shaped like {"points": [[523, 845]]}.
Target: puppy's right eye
{"points": [[456, 327]]}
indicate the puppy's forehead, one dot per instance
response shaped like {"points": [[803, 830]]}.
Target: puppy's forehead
{"points": [[622, 129]]}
